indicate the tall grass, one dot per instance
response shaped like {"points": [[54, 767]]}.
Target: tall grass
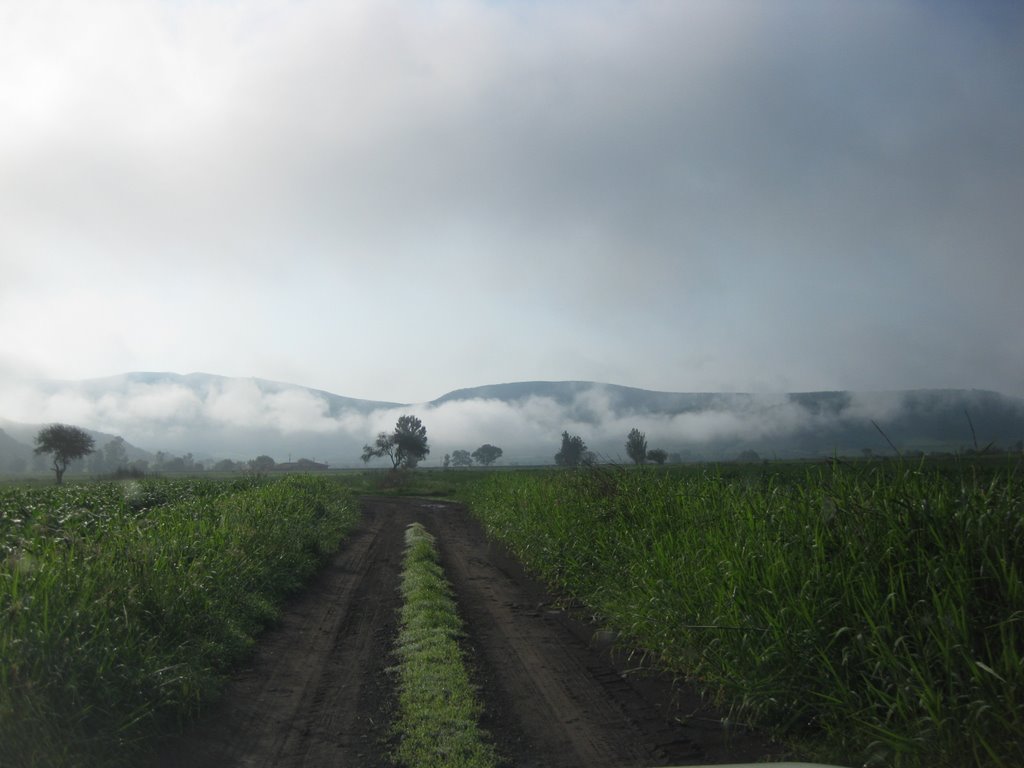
{"points": [[122, 606], [439, 711], [877, 614]]}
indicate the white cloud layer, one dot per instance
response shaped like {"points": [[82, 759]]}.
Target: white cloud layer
{"points": [[391, 200], [241, 418]]}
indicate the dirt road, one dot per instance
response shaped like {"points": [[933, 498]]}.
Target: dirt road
{"points": [[318, 691]]}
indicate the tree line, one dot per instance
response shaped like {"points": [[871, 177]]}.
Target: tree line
{"points": [[574, 451], [405, 446], [485, 455], [62, 444]]}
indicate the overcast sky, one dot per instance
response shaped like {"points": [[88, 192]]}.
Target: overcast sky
{"points": [[390, 200]]}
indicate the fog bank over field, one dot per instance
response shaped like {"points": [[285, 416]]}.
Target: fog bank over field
{"points": [[221, 417], [393, 200]]}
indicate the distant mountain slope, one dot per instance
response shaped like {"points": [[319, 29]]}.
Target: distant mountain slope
{"points": [[240, 418], [206, 382], [791, 424], [622, 399], [14, 455]]}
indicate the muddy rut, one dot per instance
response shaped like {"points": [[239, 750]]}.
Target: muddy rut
{"points": [[317, 691]]}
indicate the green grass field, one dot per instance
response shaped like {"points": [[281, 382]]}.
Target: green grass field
{"points": [[123, 605], [872, 613]]}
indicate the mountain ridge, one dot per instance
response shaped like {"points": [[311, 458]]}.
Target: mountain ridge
{"points": [[239, 418]]}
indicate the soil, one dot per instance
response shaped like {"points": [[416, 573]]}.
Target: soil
{"points": [[318, 690]]}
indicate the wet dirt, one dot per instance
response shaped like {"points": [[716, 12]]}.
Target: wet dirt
{"points": [[318, 690]]}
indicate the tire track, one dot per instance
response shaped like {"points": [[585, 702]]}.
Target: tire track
{"points": [[569, 703], [313, 694], [318, 693], [565, 715]]}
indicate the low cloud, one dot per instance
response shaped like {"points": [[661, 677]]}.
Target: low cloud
{"points": [[241, 418], [241, 403]]}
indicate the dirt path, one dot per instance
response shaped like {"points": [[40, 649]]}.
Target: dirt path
{"points": [[317, 692]]}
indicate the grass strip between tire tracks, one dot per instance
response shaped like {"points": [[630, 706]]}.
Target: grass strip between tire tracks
{"points": [[438, 723]]}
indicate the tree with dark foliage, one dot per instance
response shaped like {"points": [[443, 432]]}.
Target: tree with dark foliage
{"points": [[66, 443], [406, 446], [262, 463], [573, 452], [636, 446], [410, 441], [461, 458], [487, 454], [657, 455]]}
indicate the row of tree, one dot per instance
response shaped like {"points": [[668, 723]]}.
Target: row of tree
{"points": [[485, 455], [64, 444], [574, 451], [636, 449], [405, 446]]}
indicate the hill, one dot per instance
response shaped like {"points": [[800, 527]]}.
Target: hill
{"points": [[791, 425], [14, 455], [239, 418]]}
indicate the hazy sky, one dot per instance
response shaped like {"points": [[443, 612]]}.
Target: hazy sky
{"points": [[391, 200]]}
